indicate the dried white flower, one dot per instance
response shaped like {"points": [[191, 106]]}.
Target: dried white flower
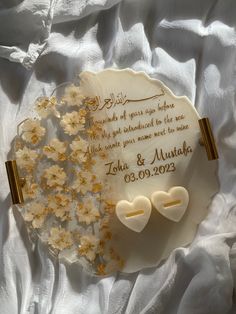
{"points": [[32, 131], [60, 205], [84, 182], [30, 189], [89, 246], [26, 158], [55, 150], [60, 239], [36, 213], [72, 123], [79, 147], [73, 96], [55, 176], [87, 211], [46, 106], [79, 144]]}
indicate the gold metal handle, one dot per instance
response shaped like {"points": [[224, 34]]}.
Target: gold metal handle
{"points": [[208, 139], [15, 182]]}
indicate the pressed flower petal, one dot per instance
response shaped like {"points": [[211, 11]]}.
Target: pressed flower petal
{"points": [[60, 204], [87, 211], [32, 131], [72, 123], [60, 239], [26, 158], [55, 150], [36, 213], [73, 96], [55, 176], [46, 106], [89, 246], [30, 189]]}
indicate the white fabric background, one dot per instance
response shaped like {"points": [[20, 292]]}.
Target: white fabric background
{"points": [[191, 46]]}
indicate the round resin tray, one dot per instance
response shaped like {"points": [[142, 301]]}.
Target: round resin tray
{"points": [[115, 177]]}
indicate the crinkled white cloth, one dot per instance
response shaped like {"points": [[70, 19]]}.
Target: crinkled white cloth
{"points": [[188, 44]]}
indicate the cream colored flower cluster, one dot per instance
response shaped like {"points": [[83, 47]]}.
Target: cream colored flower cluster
{"points": [[32, 131], [26, 158], [55, 150], [55, 176], [73, 122], [36, 214], [47, 106], [60, 238], [87, 211], [65, 189], [60, 205]]}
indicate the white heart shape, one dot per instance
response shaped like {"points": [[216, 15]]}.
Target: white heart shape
{"points": [[134, 215], [173, 204]]}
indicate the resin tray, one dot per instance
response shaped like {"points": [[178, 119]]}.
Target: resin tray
{"points": [[115, 176]]}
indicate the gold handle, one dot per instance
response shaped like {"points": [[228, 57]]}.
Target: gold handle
{"points": [[14, 182], [208, 139]]}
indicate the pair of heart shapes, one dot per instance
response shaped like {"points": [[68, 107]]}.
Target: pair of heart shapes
{"points": [[135, 215]]}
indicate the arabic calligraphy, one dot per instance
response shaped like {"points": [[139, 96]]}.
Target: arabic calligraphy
{"points": [[95, 103]]}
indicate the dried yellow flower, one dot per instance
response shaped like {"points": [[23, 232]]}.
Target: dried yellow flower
{"points": [[97, 187], [92, 133], [89, 163], [83, 112], [101, 269], [109, 206]]}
